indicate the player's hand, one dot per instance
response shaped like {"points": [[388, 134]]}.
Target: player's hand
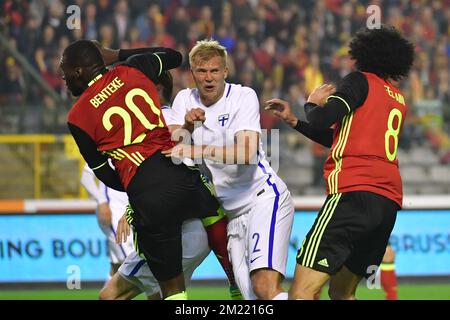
{"points": [[123, 230], [182, 150], [194, 115], [110, 56], [282, 110], [104, 215], [320, 94]]}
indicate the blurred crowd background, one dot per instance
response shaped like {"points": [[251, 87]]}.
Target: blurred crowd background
{"points": [[280, 48]]}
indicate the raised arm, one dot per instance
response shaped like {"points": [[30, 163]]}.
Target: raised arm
{"points": [[282, 110], [151, 61], [350, 94]]}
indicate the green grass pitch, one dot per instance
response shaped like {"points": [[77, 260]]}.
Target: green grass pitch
{"points": [[405, 292]]}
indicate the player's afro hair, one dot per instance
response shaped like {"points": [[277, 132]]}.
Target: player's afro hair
{"points": [[383, 51], [82, 53]]}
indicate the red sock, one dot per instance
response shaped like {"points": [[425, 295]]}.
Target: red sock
{"points": [[217, 239], [389, 280]]}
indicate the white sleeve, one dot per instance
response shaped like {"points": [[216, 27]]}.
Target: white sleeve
{"points": [[178, 109], [88, 180], [247, 116], [103, 192], [167, 114]]}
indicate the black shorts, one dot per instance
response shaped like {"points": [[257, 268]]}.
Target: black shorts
{"points": [[162, 196], [351, 229]]}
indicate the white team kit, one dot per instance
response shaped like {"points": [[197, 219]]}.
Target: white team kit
{"points": [[117, 201], [257, 202]]}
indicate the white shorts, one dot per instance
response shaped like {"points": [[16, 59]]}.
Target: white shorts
{"points": [[117, 253], [260, 238], [195, 250]]}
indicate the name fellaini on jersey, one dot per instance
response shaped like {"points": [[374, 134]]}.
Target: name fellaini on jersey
{"points": [[397, 96]]}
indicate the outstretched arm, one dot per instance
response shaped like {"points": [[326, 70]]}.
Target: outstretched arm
{"points": [[282, 110], [151, 61], [350, 95], [111, 56]]}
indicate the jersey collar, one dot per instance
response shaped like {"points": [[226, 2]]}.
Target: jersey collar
{"points": [[95, 79]]}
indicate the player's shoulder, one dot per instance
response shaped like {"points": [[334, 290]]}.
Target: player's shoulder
{"points": [[238, 89], [356, 76], [74, 113], [123, 66], [239, 95], [186, 93], [127, 72]]}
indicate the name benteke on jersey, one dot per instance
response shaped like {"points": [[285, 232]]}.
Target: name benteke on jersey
{"points": [[106, 92]]}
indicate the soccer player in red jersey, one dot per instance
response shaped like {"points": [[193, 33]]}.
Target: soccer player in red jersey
{"points": [[361, 121], [118, 115]]}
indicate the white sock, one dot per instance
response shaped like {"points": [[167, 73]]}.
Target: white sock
{"points": [[281, 296]]}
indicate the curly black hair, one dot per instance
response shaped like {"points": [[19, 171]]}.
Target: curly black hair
{"points": [[383, 51]]}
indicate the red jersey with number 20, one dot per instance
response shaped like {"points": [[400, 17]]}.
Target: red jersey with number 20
{"points": [[121, 112], [363, 156]]}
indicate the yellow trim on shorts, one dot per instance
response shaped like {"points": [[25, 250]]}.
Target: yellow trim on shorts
{"points": [[178, 296], [312, 246]]}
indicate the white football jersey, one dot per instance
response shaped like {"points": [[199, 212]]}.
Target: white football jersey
{"points": [[236, 185], [166, 112], [102, 193]]}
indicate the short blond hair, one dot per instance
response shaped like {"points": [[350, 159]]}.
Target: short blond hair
{"points": [[207, 49]]}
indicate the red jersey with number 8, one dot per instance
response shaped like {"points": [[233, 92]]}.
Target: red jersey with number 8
{"points": [[363, 156], [121, 112]]}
